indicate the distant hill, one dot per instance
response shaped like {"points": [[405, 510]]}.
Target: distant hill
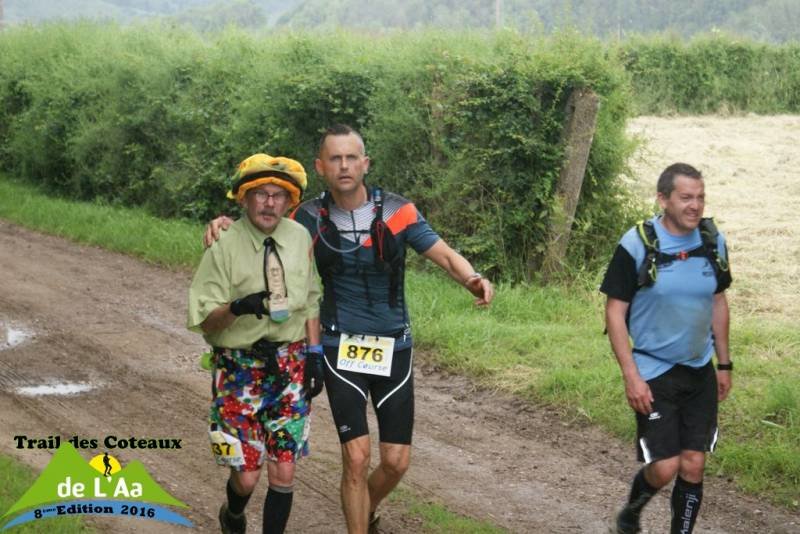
{"points": [[33, 11], [769, 20], [766, 20], [205, 15]]}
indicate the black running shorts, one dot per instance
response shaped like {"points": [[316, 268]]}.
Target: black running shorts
{"points": [[392, 397], [684, 415]]}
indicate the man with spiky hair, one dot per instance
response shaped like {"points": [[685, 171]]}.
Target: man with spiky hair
{"points": [[665, 288]]}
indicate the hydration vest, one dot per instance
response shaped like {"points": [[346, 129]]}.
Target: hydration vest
{"points": [[388, 253], [648, 272]]}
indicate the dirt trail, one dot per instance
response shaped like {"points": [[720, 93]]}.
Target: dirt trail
{"points": [[71, 313], [104, 319]]}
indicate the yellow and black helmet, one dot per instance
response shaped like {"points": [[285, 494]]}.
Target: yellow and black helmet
{"points": [[261, 169]]}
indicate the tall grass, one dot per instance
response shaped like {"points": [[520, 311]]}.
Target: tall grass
{"points": [[172, 243]]}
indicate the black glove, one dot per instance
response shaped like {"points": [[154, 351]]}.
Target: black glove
{"points": [[252, 304], [314, 373]]}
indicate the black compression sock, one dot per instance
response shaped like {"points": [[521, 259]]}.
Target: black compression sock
{"points": [[236, 502], [686, 499], [641, 493], [277, 507]]}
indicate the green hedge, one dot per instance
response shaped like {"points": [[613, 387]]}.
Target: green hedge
{"points": [[468, 126], [712, 73]]}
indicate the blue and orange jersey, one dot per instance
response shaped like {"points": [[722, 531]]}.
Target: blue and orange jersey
{"points": [[356, 296]]}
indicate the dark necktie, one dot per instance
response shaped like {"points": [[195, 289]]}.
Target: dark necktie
{"points": [[278, 300]]}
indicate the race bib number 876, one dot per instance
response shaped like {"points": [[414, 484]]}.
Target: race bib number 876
{"points": [[366, 354]]}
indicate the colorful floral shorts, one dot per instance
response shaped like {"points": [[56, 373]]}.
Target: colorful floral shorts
{"points": [[255, 415]]}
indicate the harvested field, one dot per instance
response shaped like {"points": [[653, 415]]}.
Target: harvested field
{"points": [[753, 190]]}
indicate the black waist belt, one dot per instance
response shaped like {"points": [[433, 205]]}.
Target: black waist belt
{"points": [[396, 335], [262, 349]]}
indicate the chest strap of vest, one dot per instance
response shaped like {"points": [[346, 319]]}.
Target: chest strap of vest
{"points": [[648, 271]]}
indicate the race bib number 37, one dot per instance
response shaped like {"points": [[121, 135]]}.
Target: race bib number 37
{"points": [[226, 448], [366, 354]]}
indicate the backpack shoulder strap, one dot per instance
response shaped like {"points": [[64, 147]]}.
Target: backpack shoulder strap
{"points": [[377, 200], [647, 233], [710, 236], [325, 203], [648, 270], [709, 232]]}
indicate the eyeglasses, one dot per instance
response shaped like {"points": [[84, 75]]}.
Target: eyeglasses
{"points": [[278, 197]]}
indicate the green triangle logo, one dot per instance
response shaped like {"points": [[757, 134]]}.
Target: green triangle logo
{"points": [[69, 478]]}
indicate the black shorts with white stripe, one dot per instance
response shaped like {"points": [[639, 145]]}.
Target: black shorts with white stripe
{"points": [[392, 398], [684, 415]]}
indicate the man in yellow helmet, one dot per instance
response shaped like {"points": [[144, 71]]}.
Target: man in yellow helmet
{"points": [[255, 299]]}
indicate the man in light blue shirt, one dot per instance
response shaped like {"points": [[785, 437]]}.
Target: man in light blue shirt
{"points": [[665, 286]]}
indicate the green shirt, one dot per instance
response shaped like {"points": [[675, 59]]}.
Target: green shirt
{"points": [[233, 267]]}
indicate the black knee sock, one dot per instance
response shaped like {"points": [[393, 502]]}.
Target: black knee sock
{"points": [[236, 502], [686, 499], [641, 493], [277, 506]]}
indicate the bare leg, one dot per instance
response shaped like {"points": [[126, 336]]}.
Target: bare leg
{"points": [[355, 493], [660, 473], [692, 464], [244, 482], [395, 459]]}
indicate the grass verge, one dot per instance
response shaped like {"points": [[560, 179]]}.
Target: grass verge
{"points": [[542, 343], [173, 243], [436, 518], [15, 479]]}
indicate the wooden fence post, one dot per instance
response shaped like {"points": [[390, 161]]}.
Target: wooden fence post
{"points": [[437, 120], [581, 120]]}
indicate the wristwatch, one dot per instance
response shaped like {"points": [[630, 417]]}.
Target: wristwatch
{"points": [[725, 366]]}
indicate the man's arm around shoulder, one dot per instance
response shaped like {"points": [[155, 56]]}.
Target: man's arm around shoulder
{"points": [[213, 229]]}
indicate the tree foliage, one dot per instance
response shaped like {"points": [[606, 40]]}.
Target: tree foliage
{"points": [[203, 15], [712, 73], [469, 127]]}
